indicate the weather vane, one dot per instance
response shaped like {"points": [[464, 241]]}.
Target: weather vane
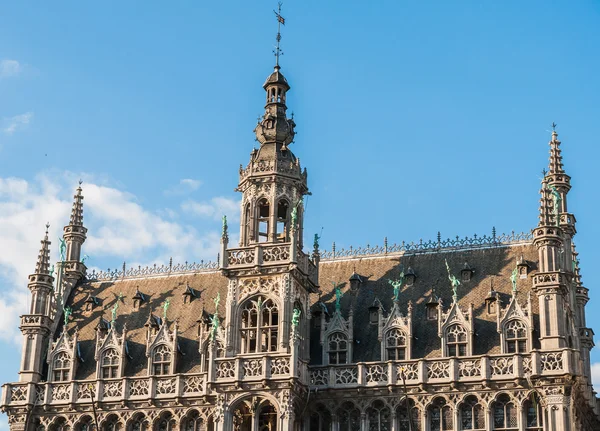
{"points": [[280, 20], [554, 126]]}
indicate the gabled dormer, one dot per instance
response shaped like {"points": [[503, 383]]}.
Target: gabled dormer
{"points": [[515, 326], [395, 334], [455, 328], [63, 356], [111, 350], [162, 349], [337, 337]]}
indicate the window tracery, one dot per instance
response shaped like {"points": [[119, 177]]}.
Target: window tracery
{"points": [[61, 367], [472, 415], [515, 336], [504, 414], [264, 214], [265, 418], [161, 360], [165, 423], [320, 419], [60, 424], [259, 326], [194, 422], [110, 364], [456, 340], [379, 417], [440, 416], [409, 416], [338, 348], [533, 414], [348, 417], [111, 424], [139, 423], [395, 344]]}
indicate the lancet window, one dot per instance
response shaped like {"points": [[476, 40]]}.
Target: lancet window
{"points": [[505, 414], [264, 214], [320, 419], [282, 221], [379, 417], [395, 344], [194, 422], [59, 424], [515, 336], [533, 414], [219, 353], [111, 424], [472, 415], [165, 423], [409, 416], [265, 418], [440, 416], [85, 424], [338, 348], [61, 367], [161, 360], [348, 417], [259, 326], [110, 364], [456, 340], [139, 423]]}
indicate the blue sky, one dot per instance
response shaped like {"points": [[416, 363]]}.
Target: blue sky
{"points": [[413, 117]]}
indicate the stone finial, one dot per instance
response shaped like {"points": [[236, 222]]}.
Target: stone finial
{"points": [[77, 210], [43, 262], [556, 165]]}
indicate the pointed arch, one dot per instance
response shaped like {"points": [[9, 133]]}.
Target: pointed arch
{"points": [[348, 417], [165, 422], [408, 415], [440, 415], [59, 424], [320, 418], [379, 416], [471, 414], [111, 423], [258, 413], [138, 422], [259, 325], [504, 414]]}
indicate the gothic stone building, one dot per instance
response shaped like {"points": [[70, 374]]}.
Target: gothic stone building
{"points": [[263, 340]]}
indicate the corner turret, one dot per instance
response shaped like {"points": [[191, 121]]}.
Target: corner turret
{"points": [[74, 237]]}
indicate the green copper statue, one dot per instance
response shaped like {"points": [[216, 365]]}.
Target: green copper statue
{"points": [[557, 201], [453, 281], [294, 215], [114, 314], [224, 231], [296, 317], [316, 241], [513, 279], [85, 257], [166, 308], [215, 318], [67, 313], [338, 296], [63, 249], [52, 271], [397, 284]]}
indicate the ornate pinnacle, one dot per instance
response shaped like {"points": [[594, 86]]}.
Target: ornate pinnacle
{"points": [[43, 262], [77, 211], [556, 165]]}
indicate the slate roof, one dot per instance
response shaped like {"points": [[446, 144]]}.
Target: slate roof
{"points": [[487, 263]]}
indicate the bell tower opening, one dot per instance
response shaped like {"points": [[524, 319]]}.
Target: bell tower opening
{"points": [[264, 214], [282, 221]]}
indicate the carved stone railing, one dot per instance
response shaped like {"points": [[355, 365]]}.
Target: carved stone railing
{"points": [[253, 368], [440, 244], [267, 167], [104, 390], [258, 254], [443, 370], [152, 271]]}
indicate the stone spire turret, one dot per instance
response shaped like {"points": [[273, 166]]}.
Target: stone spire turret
{"points": [[74, 236], [35, 326]]}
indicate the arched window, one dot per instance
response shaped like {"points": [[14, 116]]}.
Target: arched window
{"points": [[265, 418], [85, 424], [282, 221], [165, 423], [379, 417], [320, 419], [59, 424], [409, 416], [110, 364], [139, 423], [348, 417], [263, 220], [456, 340], [194, 422], [472, 415], [61, 367], [533, 412], [440, 416], [516, 336], [111, 424], [338, 348], [259, 326], [395, 344], [505, 414], [247, 224], [219, 353], [161, 360]]}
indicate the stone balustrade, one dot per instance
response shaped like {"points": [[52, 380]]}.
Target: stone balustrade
{"points": [[253, 368]]}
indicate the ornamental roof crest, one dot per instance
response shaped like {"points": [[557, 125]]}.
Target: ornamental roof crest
{"points": [[455, 315], [163, 336], [514, 310], [112, 339]]}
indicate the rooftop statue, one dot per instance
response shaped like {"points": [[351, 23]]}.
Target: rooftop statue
{"points": [[52, 271], [338, 296], [296, 317], [67, 313], [114, 313], [166, 308], [215, 318], [397, 284], [316, 241], [453, 281], [224, 231], [513, 279], [63, 249], [557, 201]]}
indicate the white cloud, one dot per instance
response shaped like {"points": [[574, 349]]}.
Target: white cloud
{"points": [[596, 376], [119, 228], [12, 124], [215, 208], [9, 68], [185, 186]]}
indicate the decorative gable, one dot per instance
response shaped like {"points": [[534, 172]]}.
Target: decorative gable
{"points": [[515, 322], [107, 343], [63, 355], [456, 317], [163, 337], [339, 328], [396, 321]]}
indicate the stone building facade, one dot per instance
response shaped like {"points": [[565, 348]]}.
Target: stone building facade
{"points": [[486, 333]]}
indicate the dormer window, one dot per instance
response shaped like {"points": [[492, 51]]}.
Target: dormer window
{"points": [[189, 294], [90, 303], [161, 360], [491, 302], [522, 267], [138, 298], [410, 276], [374, 314], [466, 272], [61, 367], [432, 308]]}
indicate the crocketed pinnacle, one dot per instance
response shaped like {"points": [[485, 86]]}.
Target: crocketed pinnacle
{"points": [[43, 262], [77, 211], [556, 165]]}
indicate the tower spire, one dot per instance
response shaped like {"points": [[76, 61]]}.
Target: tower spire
{"points": [[556, 165], [43, 262], [75, 234], [77, 211], [280, 20]]}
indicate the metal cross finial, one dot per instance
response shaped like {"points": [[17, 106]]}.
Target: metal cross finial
{"points": [[280, 20]]}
